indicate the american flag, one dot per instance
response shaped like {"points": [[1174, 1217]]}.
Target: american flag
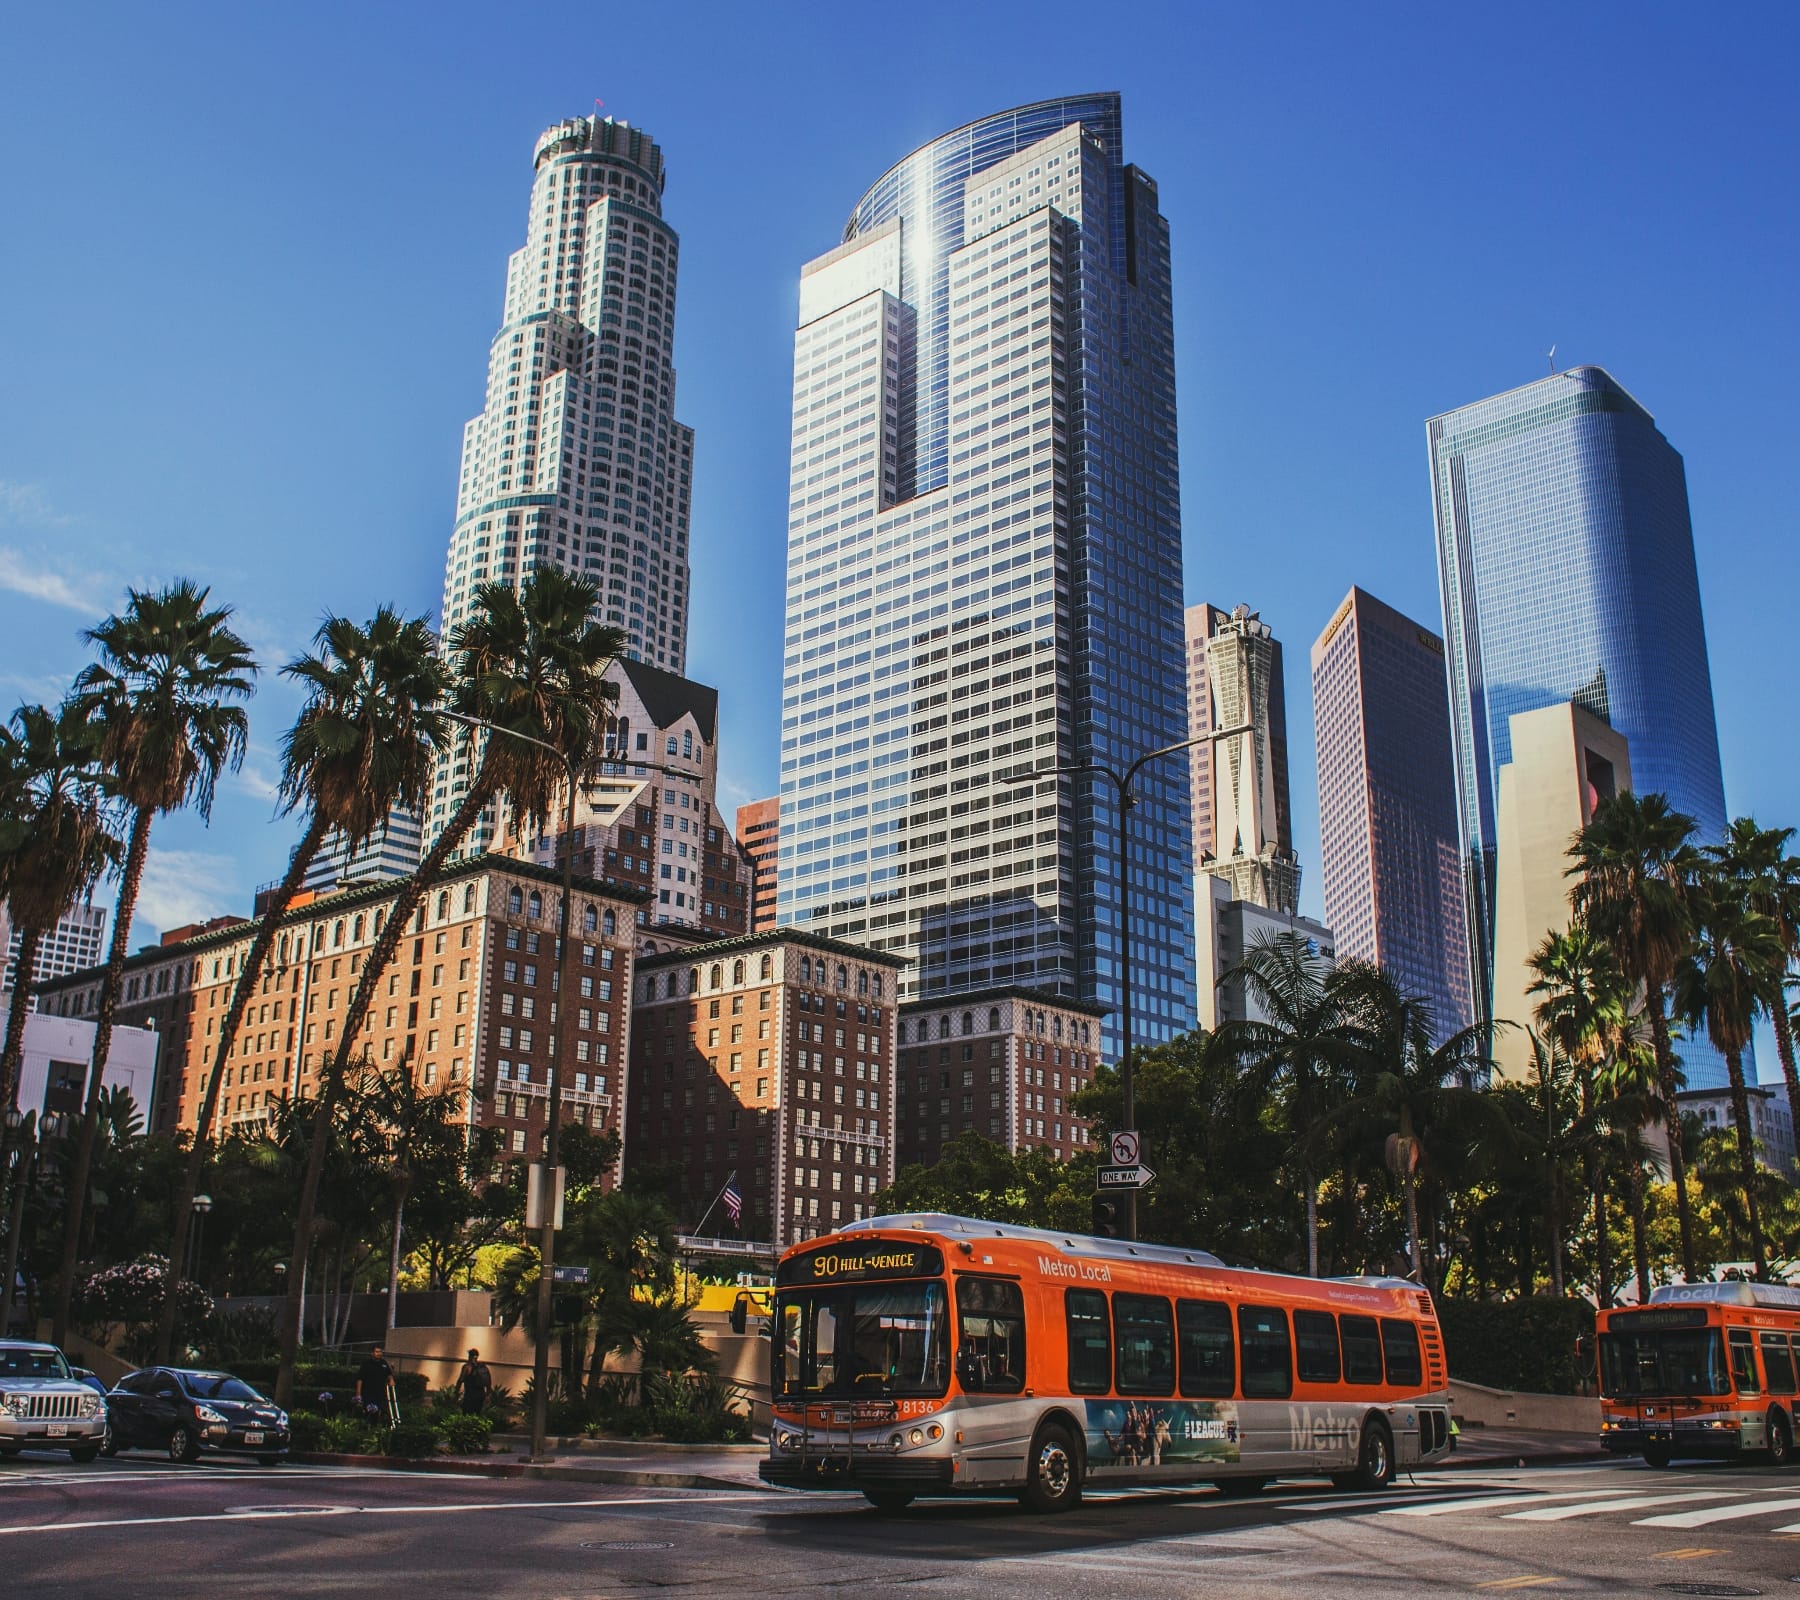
{"points": [[734, 1201]]}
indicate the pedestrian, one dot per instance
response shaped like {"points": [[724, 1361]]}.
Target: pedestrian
{"points": [[375, 1385], [474, 1383]]}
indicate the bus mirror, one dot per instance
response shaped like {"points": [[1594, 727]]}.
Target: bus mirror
{"points": [[740, 1313]]}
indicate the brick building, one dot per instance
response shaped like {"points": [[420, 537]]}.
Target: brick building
{"points": [[771, 1056], [1001, 1062], [759, 837], [469, 999]]}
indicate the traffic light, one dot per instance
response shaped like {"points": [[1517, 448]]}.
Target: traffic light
{"points": [[1108, 1217]]}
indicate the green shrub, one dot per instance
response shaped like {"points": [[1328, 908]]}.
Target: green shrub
{"points": [[306, 1430], [1517, 1344], [463, 1435], [348, 1436], [411, 1441], [315, 1377]]}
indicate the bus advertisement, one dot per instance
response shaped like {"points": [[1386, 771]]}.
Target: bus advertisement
{"points": [[1706, 1369], [934, 1354]]}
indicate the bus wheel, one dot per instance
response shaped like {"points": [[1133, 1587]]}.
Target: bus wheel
{"points": [[1374, 1457], [889, 1502], [1656, 1455], [1052, 1471], [1781, 1439], [1240, 1488]]}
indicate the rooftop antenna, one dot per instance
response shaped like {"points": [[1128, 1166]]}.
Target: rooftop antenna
{"points": [[1549, 355]]}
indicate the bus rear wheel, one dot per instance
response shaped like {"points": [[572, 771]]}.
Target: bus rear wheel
{"points": [[1656, 1455], [1052, 1471], [1781, 1439], [1240, 1488], [889, 1502], [1374, 1459]]}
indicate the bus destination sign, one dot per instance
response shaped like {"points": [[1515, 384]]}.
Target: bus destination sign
{"points": [[860, 1261]]}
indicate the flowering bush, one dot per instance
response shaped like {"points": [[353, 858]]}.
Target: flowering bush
{"points": [[128, 1298]]}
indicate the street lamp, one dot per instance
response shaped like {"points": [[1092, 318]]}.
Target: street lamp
{"points": [[1122, 782], [191, 1265], [553, 1110]]}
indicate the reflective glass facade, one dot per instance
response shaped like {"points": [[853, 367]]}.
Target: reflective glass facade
{"points": [[1566, 565], [984, 571]]}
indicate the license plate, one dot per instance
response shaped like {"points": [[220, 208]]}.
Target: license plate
{"points": [[253, 1437], [57, 1430]]}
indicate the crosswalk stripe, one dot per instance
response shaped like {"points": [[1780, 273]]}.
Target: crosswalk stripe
{"points": [[1487, 1503], [1595, 1508], [1700, 1519]]}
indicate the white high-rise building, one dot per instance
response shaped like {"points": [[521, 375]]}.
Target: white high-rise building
{"points": [[392, 851], [78, 940], [577, 460]]}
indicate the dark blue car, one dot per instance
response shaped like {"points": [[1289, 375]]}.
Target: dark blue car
{"points": [[188, 1412]]}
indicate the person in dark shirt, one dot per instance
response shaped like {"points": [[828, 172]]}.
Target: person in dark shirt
{"points": [[474, 1383], [374, 1382]]}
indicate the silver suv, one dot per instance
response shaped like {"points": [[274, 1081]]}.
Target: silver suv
{"points": [[44, 1405]]}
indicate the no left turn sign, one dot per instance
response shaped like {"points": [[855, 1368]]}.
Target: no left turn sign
{"points": [[1125, 1149]]}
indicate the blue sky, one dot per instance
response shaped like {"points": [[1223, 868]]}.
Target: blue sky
{"points": [[251, 259]]}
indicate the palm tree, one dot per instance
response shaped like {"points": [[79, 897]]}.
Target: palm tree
{"points": [[1627, 1078], [1757, 860], [1732, 971], [529, 660], [362, 744], [1555, 1094], [1303, 1053], [1584, 1000], [1632, 865], [162, 700], [55, 844], [416, 1123], [1419, 1091]]}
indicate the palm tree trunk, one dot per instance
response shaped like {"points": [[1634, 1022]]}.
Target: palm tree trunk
{"points": [[481, 791], [1556, 1254], [1597, 1190], [1746, 1148], [15, 1231], [1665, 1077], [75, 1201], [1640, 1231], [1312, 1226], [393, 1295], [1412, 1224], [14, 1053], [241, 992], [1784, 1047]]}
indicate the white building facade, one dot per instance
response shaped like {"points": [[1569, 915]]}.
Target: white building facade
{"points": [[78, 940]]}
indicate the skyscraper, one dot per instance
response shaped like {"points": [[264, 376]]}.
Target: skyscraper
{"points": [[984, 570], [392, 851], [759, 837], [1566, 568], [1235, 682], [577, 460], [1389, 853]]}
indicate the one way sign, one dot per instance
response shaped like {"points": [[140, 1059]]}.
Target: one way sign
{"points": [[1133, 1177]]}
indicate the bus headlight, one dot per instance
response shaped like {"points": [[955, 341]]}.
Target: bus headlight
{"points": [[934, 1433], [917, 1436]]}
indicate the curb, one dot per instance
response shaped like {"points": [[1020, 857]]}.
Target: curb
{"points": [[1527, 1458], [628, 1476], [566, 1443]]}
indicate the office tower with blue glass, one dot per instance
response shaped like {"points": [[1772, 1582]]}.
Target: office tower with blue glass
{"points": [[1566, 566], [984, 572]]}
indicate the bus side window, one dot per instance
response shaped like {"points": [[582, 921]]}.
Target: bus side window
{"points": [[990, 1335], [1743, 1361], [1362, 1350], [1400, 1353], [1208, 1360], [1146, 1344], [1316, 1346], [1778, 1363], [1090, 1341], [1263, 1345]]}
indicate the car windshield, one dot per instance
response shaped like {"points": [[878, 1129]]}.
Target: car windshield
{"points": [[23, 1361], [218, 1386], [872, 1340], [1663, 1362]]}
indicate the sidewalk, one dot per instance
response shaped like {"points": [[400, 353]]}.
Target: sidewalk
{"points": [[583, 1460]]}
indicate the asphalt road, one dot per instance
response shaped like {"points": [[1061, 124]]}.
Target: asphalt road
{"points": [[145, 1527]]}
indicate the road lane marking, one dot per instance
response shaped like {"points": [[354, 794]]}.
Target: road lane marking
{"points": [[1699, 1519], [1692, 1553], [362, 1511], [1524, 1581], [1633, 1502], [1487, 1503]]}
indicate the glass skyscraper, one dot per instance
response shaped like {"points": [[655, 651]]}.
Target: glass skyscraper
{"points": [[984, 571], [1566, 565]]}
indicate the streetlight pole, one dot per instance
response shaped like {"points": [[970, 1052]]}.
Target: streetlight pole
{"points": [[553, 1111], [1122, 783]]}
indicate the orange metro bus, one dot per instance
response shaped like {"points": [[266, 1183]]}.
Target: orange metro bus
{"points": [[1706, 1369], [934, 1354]]}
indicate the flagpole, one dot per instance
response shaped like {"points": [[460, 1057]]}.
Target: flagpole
{"points": [[730, 1179]]}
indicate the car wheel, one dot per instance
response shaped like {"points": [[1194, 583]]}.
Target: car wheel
{"points": [[9, 1451], [1052, 1471], [82, 1454], [1781, 1439], [1374, 1456], [1240, 1488], [109, 1441], [269, 1461], [889, 1502], [183, 1446]]}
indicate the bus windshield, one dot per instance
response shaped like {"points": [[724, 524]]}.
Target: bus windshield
{"points": [[1659, 1362], [866, 1339]]}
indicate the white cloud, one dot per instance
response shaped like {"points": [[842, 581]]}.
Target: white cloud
{"points": [[23, 575], [257, 782], [183, 886], [25, 502]]}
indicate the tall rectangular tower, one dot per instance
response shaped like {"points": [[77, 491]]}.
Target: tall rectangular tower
{"points": [[577, 460], [1387, 803], [759, 837], [1566, 570], [984, 571]]}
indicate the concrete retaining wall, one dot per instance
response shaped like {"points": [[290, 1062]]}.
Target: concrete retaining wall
{"points": [[1476, 1405]]}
